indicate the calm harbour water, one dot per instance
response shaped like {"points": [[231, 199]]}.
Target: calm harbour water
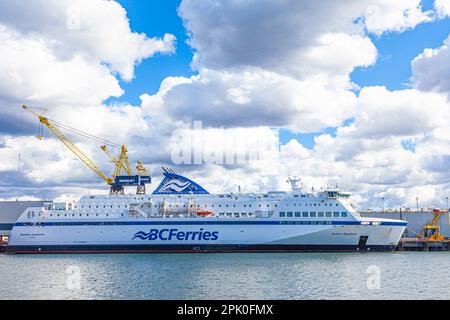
{"points": [[403, 275]]}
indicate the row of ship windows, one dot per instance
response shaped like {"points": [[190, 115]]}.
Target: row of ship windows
{"points": [[212, 206], [292, 214], [31, 214], [313, 214]]}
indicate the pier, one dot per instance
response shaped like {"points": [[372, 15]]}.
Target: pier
{"points": [[418, 244]]}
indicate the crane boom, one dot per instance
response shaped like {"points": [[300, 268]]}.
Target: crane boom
{"points": [[70, 145], [121, 164]]}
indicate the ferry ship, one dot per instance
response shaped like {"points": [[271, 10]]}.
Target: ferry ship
{"points": [[181, 216]]}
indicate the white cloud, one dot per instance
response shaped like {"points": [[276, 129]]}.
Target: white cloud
{"points": [[399, 15], [97, 30], [279, 33], [431, 69], [29, 71], [442, 8]]}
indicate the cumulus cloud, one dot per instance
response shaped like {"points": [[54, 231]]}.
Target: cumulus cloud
{"points": [[98, 30], [431, 69], [442, 8], [280, 32]]}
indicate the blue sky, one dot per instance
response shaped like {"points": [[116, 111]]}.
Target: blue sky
{"points": [[155, 18], [392, 69]]}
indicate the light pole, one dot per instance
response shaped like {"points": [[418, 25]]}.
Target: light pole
{"points": [[417, 203], [446, 198], [382, 203]]}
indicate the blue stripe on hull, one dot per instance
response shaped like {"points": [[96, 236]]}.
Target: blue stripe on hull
{"points": [[6, 226], [207, 222], [191, 248]]}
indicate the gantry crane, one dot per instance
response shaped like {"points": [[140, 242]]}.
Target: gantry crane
{"points": [[118, 181], [431, 231], [145, 177]]}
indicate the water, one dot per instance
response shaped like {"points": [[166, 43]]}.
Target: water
{"points": [[403, 275]]}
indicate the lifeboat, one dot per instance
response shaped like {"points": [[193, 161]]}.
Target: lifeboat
{"points": [[204, 213]]}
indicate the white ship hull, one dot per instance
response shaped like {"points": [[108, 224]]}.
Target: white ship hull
{"points": [[209, 234]]}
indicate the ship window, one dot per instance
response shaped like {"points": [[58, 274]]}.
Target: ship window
{"points": [[320, 214], [267, 206], [297, 214], [328, 214], [126, 206], [305, 214], [289, 214], [276, 205], [228, 214], [234, 206], [337, 204], [313, 215], [227, 206], [89, 206], [245, 206], [236, 214], [344, 214], [220, 206], [315, 204], [336, 214], [282, 214], [97, 207]]}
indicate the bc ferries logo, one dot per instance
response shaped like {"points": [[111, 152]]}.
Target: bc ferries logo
{"points": [[174, 183], [175, 234]]}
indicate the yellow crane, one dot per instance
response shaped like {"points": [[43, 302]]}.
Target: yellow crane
{"points": [[145, 177], [69, 144], [122, 164], [431, 231]]}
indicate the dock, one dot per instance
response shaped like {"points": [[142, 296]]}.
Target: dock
{"points": [[418, 244]]}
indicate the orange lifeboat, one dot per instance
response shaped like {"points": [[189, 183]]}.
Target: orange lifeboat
{"points": [[204, 213]]}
